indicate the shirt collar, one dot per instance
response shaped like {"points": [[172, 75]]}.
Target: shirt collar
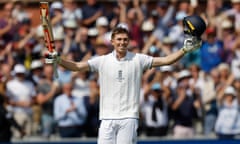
{"points": [[127, 56]]}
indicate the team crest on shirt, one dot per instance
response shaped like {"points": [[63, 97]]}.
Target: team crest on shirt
{"points": [[120, 76]]}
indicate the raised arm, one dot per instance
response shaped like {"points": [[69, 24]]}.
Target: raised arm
{"points": [[74, 66], [194, 27], [170, 59], [190, 44]]}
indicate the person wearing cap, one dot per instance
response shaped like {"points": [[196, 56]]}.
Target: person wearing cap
{"points": [[102, 25], [120, 76], [169, 79], [184, 106], [21, 94], [167, 46], [147, 28], [56, 14], [155, 110], [211, 51], [229, 36], [35, 71], [228, 120]]}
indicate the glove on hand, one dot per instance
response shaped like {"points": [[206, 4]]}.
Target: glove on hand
{"points": [[52, 57], [191, 43]]}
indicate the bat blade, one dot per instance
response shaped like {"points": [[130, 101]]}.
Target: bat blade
{"points": [[47, 28]]}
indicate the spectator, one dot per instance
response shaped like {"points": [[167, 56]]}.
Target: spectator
{"points": [[21, 94], [92, 104], [90, 12], [6, 122], [46, 92], [235, 65], [56, 14], [184, 107], [81, 84], [70, 30], [8, 24], [5, 76], [81, 51], [64, 75], [224, 72], [19, 11], [165, 14], [147, 29], [134, 18], [210, 88], [233, 12], [36, 71], [72, 11], [168, 46], [169, 79], [39, 47], [102, 26], [176, 32], [228, 120], [92, 40], [155, 110], [212, 11], [211, 51], [70, 113], [228, 36]]}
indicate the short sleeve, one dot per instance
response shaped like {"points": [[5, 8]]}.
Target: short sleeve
{"points": [[146, 61], [94, 63]]}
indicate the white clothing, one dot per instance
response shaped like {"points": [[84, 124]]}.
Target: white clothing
{"points": [[228, 120], [161, 115], [20, 91], [81, 88], [76, 14], [235, 65], [182, 132], [62, 103], [123, 131], [120, 83]]}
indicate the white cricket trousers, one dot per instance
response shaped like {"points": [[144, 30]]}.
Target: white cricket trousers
{"points": [[120, 131]]}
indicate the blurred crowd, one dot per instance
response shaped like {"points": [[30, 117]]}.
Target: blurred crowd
{"points": [[199, 94]]}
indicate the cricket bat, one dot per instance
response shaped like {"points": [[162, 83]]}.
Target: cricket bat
{"points": [[47, 29]]}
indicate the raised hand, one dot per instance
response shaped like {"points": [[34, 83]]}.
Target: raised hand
{"points": [[52, 57], [191, 44]]}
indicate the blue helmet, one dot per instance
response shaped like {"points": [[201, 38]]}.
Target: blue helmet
{"points": [[194, 25]]}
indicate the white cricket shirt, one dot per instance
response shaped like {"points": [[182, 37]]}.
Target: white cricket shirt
{"points": [[120, 83]]}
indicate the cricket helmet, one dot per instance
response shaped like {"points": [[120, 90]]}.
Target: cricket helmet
{"points": [[194, 25]]}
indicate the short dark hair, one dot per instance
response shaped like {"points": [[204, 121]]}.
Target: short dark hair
{"points": [[118, 30]]}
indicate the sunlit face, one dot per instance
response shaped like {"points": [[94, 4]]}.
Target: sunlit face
{"points": [[120, 42]]}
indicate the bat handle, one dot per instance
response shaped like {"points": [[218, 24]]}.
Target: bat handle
{"points": [[55, 69]]}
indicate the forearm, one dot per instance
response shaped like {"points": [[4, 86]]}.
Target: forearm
{"points": [[74, 66], [170, 59]]}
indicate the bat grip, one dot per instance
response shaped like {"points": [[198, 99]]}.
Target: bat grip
{"points": [[55, 69]]}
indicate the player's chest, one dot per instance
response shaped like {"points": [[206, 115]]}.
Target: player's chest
{"points": [[121, 71]]}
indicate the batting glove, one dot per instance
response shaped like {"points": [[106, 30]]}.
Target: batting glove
{"points": [[191, 44], [52, 57]]}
